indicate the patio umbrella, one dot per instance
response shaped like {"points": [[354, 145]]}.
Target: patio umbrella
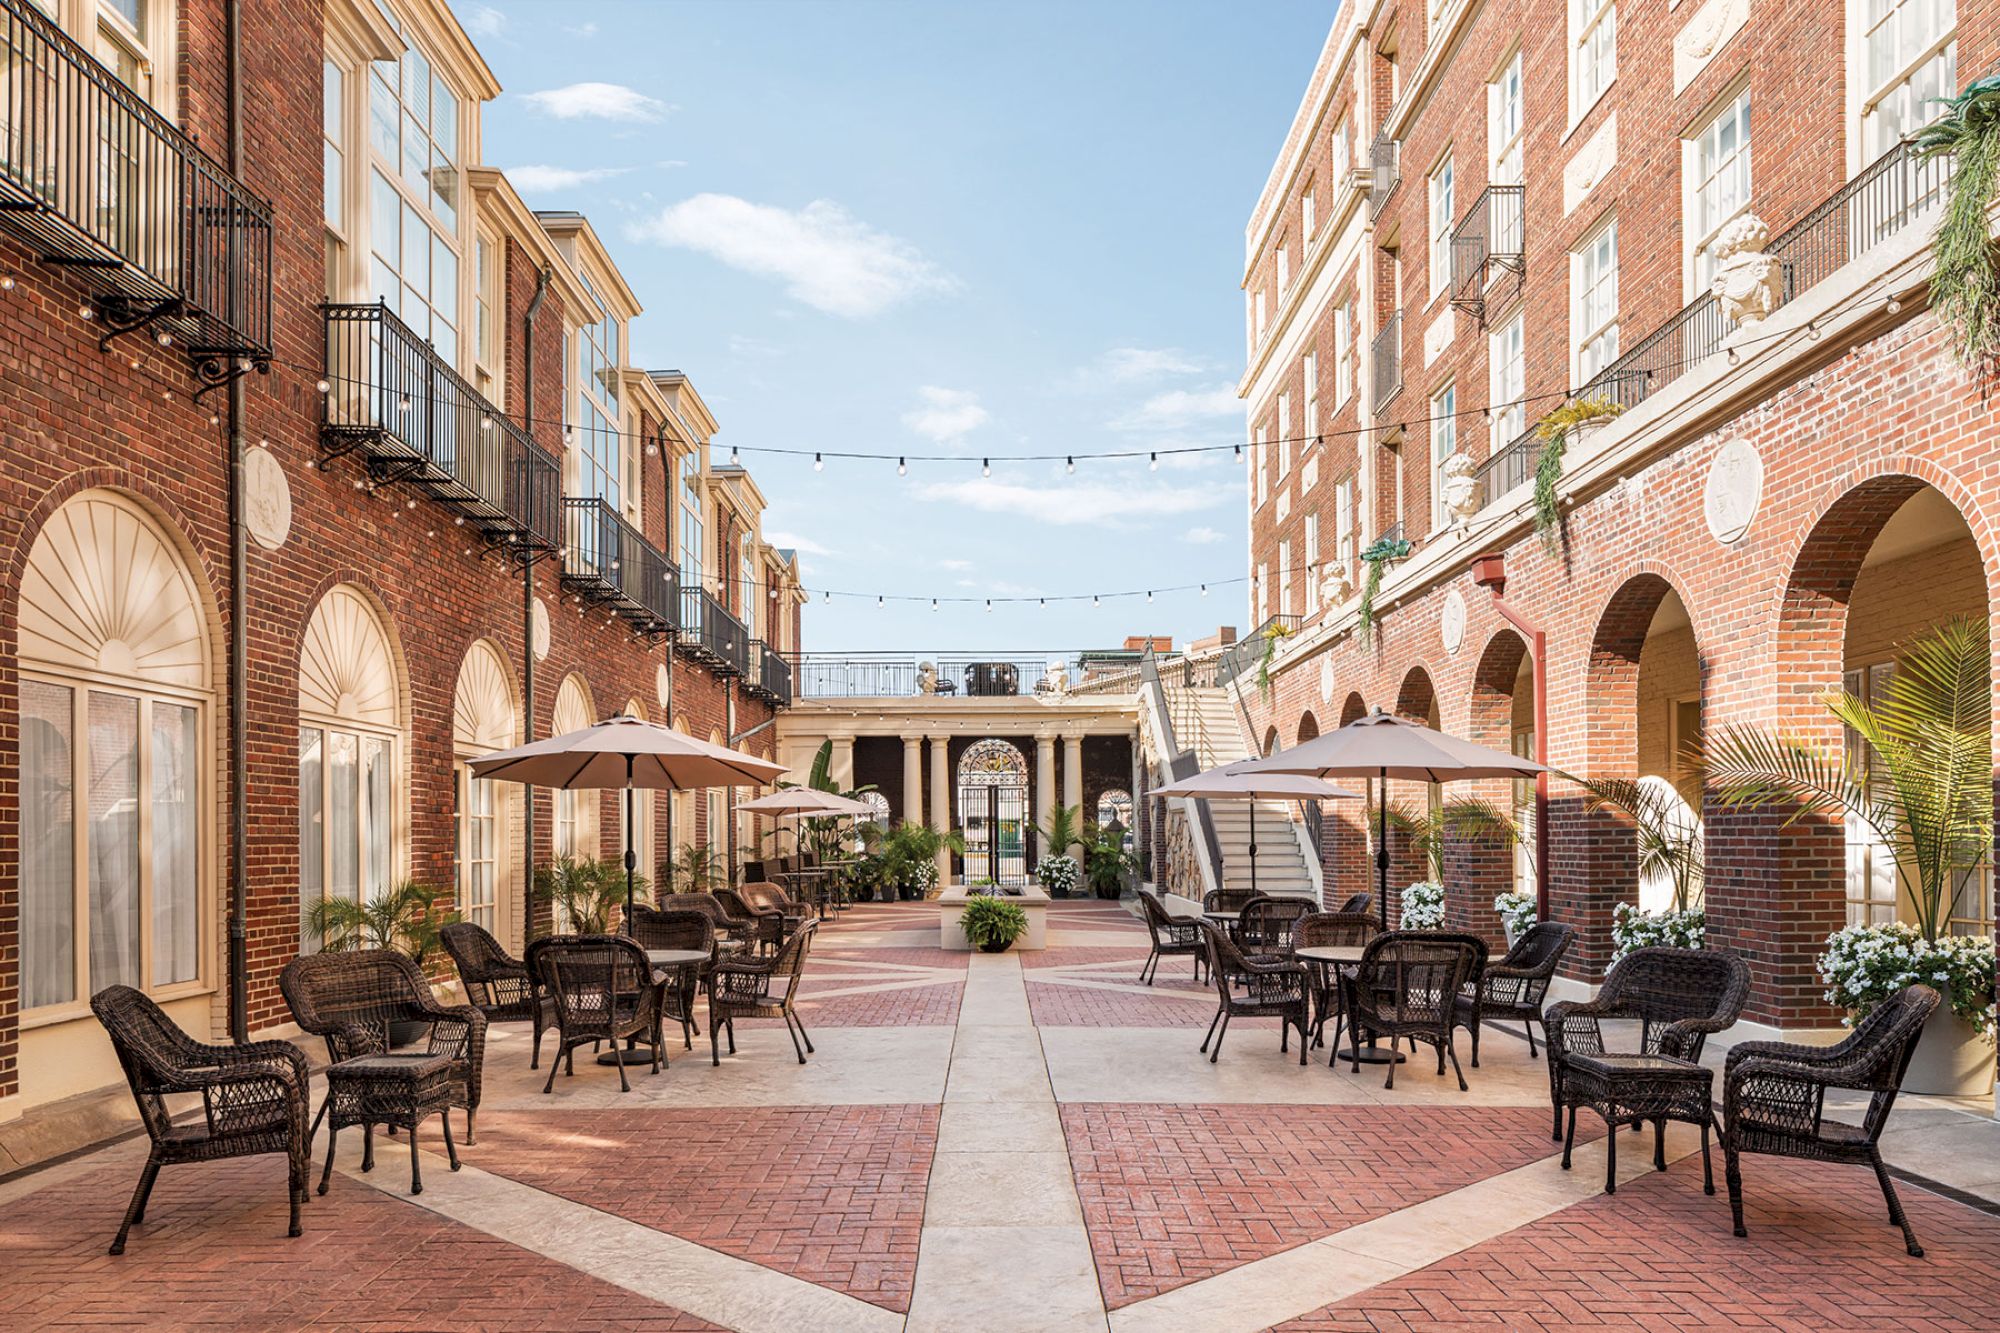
{"points": [[1383, 746], [1237, 782], [625, 752], [802, 801]]}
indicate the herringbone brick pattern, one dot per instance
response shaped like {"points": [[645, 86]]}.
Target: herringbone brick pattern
{"points": [[853, 957], [212, 1253], [1172, 1194], [1659, 1255], [834, 1195]]}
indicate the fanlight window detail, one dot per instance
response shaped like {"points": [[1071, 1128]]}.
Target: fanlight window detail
{"points": [[992, 763], [345, 667], [575, 811], [482, 707]]}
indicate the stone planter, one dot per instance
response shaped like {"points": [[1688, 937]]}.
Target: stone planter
{"points": [[1952, 1060]]}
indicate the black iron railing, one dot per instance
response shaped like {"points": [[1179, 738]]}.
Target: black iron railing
{"points": [[1242, 657], [96, 179], [1386, 356], [711, 635], [901, 675], [391, 396], [1488, 243], [1384, 170], [770, 676], [609, 562], [1888, 196]]}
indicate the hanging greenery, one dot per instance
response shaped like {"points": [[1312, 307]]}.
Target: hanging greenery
{"points": [[1963, 289], [1272, 635], [1379, 553], [1554, 431]]}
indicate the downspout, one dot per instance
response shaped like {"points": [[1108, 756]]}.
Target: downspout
{"points": [[542, 280], [239, 619], [1490, 572]]}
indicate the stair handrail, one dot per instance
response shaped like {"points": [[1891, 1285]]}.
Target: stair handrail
{"points": [[1180, 764], [1307, 828]]}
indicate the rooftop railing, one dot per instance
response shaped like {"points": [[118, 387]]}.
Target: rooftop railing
{"points": [[609, 562], [999, 674], [97, 180], [391, 397]]}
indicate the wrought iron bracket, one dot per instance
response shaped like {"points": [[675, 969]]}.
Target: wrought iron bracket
{"points": [[214, 370], [119, 315]]}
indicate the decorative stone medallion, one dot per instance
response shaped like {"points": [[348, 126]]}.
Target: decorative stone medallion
{"points": [[1734, 488], [663, 688], [1451, 621], [1326, 679], [539, 638], [267, 498]]}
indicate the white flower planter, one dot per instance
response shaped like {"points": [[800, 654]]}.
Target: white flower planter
{"points": [[1952, 1060]]}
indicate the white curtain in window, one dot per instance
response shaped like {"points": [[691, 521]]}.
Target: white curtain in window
{"points": [[48, 845], [113, 795], [176, 832], [312, 828]]}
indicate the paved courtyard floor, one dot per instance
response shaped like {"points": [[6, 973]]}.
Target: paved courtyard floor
{"points": [[1021, 1141]]}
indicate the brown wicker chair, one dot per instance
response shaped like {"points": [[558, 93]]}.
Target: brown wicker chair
{"points": [[1173, 937], [677, 929], [760, 988], [496, 984], [1254, 988], [1264, 925], [767, 924], [731, 931], [351, 999], [1677, 996], [1226, 900], [1774, 1098], [254, 1097], [1516, 986], [1407, 985], [1329, 929], [762, 895], [602, 989], [1358, 903]]}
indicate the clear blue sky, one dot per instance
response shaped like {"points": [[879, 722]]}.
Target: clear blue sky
{"points": [[948, 228]]}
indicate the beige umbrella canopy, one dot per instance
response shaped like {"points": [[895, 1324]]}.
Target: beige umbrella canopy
{"points": [[1239, 782], [1382, 745], [805, 801]]}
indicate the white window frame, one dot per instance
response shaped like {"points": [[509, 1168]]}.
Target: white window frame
{"points": [[447, 300], [1308, 220], [1343, 523], [1309, 386], [1893, 100], [1507, 379], [152, 46], [1284, 437], [1344, 351], [1343, 150], [1594, 333], [1444, 444], [1593, 54], [1443, 188], [489, 313], [1284, 261], [598, 446], [1717, 179], [1311, 546], [1284, 578], [480, 806], [1504, 123], [371, 838]]}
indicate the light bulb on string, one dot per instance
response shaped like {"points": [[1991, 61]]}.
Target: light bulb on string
{"points": [[879, 600], [1204, 590], [1070, 465], [933, 603], [1153, 462], [1093, 600], [324, 386], [989, 606], [985, 467], [902, 467], [1895, 305], [1149, 595], [734, 457], [819, 464]]}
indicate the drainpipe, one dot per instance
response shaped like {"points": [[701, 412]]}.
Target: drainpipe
{"points": [[239, 620], [542, 281], [1490, 572]]}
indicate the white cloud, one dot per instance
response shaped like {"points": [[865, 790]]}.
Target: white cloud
{"points": [[1182, 407], [825, 256], [1201, 536], [598, 101], [585, 30], [485, 21], [955, 565], [945, 415], [1130, 365], [793, 541], [1073, 503], [538, 178]]}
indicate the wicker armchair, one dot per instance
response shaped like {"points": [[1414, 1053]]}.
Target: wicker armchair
{"points": [[1774, 1094], [1226, 900], [731, 931], [1264, 926], [1253, 988], [1516, 986], [1407, 985], [762, 895], [496, 984], [1351, 930], [1358, 903], [766, 924], [677, 929], [1678, 997], [602, 990], [1173, 937], [254, 1097], [760, 988]]}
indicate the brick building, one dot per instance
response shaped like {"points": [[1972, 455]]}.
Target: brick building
{"points": [[1482, 212], [467, 518]]}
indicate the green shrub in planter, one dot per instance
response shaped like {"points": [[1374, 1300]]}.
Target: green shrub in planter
{"points": [[990, 923]]}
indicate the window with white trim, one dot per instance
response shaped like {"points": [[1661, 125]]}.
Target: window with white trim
{"points": [[1908, 67], [1593, 282], [1444, 443], [1284, 270], [1284, 436], [1343, 524], [1263, 591], [597, 445], [1307, 222], [1343, 350], [1343, 151], [1309, 473], [413, 197], [1444, 216], [1503, 124], [1593, 52], [1507, 367], [1284, 578], [134, 38], [1257, 324], [1309, 380], [1263, 450], [691, 519], [488, 308], [1718, 182], [1311, 545]]}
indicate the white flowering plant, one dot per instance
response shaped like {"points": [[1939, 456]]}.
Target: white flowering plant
{"points": [[1517, 913], [1059, 875], [1423, 906], [1633, 929], [1865, 965]]}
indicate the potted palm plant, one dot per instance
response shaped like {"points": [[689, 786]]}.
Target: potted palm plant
{"points": [[404, 919], [584, 893], [909, 857], [1922, 781], [1057, 869], [1668, 839], [1429, 830], [1106, 863], [694, 869]]}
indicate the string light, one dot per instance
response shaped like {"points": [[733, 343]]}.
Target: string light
{"points": [[403, 403], [985, 467], [989, 606], [163, 338], [324, 386], [902, 467], [933, 603], [85, 312], [1069, 464], [1093, 599], [1204, 590], [819, 464], [1149, 596], [734, 458], [6, 282], [1895, 305], [1153, 463]]}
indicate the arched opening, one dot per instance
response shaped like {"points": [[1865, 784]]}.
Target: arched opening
{"points": [[116, 793], [1270, 741], [1501, 713], [640, 804], [1346, 860], [574, 829], [484, 718], [992, 811], [1354, 709], [1308, 729], [1114, 807]]}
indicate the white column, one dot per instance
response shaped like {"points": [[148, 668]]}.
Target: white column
{"points": [[913, 779], [841, 767], [1073, 780], [941, 801], [1045, 784]]}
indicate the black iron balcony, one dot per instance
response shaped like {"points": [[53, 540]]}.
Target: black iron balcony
{"points": [[1384, 171], [770, 675], [1487, 245], [1386, 355], [712, 636], [96, 180], [608, 562], [393, 399]]}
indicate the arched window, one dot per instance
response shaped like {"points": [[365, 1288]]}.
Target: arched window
{"points": [[483, 719], [1114, 806], [575, 831], [350, 726], [116, 780]]}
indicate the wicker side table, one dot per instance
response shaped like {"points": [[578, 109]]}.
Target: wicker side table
{"points": [[1630, 1089], [399, 1091]]}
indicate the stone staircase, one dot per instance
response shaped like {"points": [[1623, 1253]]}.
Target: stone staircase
{"points": [[1205, 721]]}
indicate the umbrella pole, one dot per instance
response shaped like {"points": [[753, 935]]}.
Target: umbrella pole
{"points": [[631, 857], [1253, 847], [1382, 848]]}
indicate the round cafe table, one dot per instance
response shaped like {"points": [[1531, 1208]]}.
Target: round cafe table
{"points": [[1338, 956], [664, 962]]}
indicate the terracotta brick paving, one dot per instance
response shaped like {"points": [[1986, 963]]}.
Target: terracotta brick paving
{"points": [[915, 1006], [1659, 1255], [1175, 1193], [834, 1195], [212, 1253], [832, 948]]}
